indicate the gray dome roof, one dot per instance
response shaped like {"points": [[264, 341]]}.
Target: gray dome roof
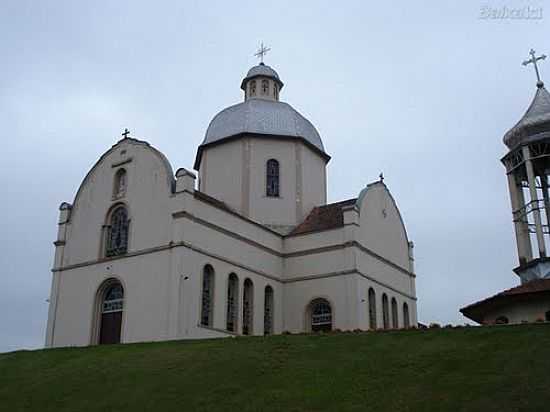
{"points": [[262, 70], [530, 127], [263, 118]]}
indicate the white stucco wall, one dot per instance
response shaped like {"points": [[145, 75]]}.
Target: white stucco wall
{"points": [[174, 234], [235, 172], [531, 310]]}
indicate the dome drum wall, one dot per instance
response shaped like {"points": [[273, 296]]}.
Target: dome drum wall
{"points": [[241, 182]]}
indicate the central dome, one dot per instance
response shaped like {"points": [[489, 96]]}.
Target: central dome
{"points": [[261, 115]]}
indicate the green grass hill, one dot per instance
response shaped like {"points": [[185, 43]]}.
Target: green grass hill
{"points": [[499, 368]]}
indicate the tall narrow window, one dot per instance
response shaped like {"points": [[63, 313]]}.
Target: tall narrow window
{"points": [[232, 302], [253, 87], [321, 315], [406, 319], [372, 309], [275, 91], [207, 303], [117, 232], [119, 186], [385, 312], [268, 311], [112, 304], [394, 316], [248, 307], [272, 178], [265, 87]]}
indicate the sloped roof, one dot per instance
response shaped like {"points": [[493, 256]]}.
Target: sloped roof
{"points": [[537, 114], [324, 217], [476, 310]]}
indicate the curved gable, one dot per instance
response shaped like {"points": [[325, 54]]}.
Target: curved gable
{"points": [[118, 145], [381, 226], [148, 188]]}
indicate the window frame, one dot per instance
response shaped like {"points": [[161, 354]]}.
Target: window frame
{"points": [[272, 190]]}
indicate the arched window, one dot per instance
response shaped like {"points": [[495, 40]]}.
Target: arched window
{"points": [[117, 232], [321, 315], [275, 91], [268, 311], [253, 87], [207, 302], [406, 319], [394, 315], [265, 87], [232, 302], [372, 309], [385, 311], [119, 186], [112, 305], [501, 320], [272, 178], [248, 307]]}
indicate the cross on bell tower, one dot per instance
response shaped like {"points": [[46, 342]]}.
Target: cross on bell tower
{"points": [[533, 60]]}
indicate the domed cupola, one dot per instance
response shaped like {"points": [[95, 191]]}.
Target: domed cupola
{"points": [[262, 82], [535, 123]]}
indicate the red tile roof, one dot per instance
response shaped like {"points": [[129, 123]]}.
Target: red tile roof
{"points": [[476, 310], [324, 217]]}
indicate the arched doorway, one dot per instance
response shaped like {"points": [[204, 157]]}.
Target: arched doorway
{"points": [[111, 308], [320, 315]]}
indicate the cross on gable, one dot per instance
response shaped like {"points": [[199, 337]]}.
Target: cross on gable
{"points": [[533, 60], [262, 51], [126, 133]]}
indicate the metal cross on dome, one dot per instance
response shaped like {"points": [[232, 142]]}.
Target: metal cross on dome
{"points": [[126, 133], [534, 60], [262, 51]]}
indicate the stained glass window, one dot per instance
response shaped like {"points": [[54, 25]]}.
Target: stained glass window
{"points": [[394, 316], [406, 319], [321, 315], [232, 302], [207, 296], [114, 299], [372, 309], [385, 312], [117, 233], [268, 311], [248, 307], [272, 178]]}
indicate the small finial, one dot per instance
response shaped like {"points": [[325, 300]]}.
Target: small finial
{"points": [[126, 133], [262, 51], [533, 60], [381, 176]]}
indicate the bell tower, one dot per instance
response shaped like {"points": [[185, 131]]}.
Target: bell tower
{"points": [[527, 166]]}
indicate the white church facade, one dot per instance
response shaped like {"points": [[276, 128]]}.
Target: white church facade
{"points": [[250, 247]]}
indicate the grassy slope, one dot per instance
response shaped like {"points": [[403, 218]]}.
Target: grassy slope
{"points": [[504, 368]]}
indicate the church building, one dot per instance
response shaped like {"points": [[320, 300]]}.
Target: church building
{"points": [[527, 166], [245, 245]]}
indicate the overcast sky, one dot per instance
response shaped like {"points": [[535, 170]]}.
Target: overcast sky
{"points": [[422, 90]]}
